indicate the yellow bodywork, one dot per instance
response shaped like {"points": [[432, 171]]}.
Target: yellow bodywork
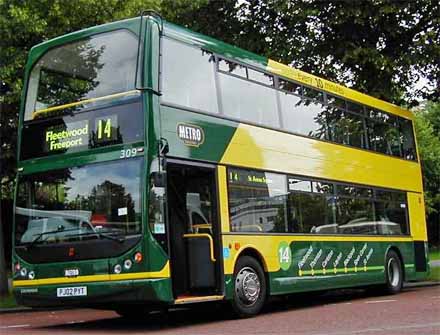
{"points": [[323, 84], [416, 208], [266, 149]]}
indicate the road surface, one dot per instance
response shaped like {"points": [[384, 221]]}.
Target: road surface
{"points": [[349, 312]]}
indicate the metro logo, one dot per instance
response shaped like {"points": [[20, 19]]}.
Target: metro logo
{"points": [[190, 135]]}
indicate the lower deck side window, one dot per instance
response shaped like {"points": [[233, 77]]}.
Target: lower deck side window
{"points": [[261, 202]]}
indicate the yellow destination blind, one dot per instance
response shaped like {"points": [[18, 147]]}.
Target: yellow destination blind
{"points": [[79, 134], [66, 136]]}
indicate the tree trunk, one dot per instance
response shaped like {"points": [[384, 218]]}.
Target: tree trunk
{"points": [[3, 272]]}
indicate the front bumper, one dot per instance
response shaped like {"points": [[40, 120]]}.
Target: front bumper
{"points": [[108, 295]]}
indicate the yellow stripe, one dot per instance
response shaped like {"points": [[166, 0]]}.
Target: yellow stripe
{"points": [[223, 198], [81, 102], [198, 299], [319, 83], [330, 271], [164, 273]]}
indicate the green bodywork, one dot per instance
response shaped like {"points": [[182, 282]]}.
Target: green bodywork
{"points": [[161, 122], [326, 265]]}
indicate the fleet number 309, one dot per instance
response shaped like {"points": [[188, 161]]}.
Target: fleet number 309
{"points": [[127, 153]]}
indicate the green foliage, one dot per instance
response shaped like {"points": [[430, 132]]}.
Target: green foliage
{"points": [[428, 137]]}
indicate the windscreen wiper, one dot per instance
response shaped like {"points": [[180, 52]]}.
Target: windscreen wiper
{"points": [[119, 239], [40, 235]]}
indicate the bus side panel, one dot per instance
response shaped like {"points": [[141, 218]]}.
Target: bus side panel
{"points": [[302, 263]]}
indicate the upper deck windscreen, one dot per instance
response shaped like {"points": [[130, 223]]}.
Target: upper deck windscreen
{"points": [[82, 95], [97, 66]]}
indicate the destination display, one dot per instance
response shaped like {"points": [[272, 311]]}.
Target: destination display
{"points": [[82, 131], [249, 177], [69, 135]]}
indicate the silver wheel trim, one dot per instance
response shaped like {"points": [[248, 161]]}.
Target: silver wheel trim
{"points": [[247, 286], [393, 272]]}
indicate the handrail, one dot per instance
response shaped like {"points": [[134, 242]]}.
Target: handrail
{"points": [[211, 242], [81, 102]]}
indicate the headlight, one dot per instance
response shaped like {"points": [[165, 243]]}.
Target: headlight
{"points": [[31, 275], [117, 269], [23, 272], [127, 264]]}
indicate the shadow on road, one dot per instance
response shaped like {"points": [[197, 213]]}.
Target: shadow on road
{"points": [[204, 314]]}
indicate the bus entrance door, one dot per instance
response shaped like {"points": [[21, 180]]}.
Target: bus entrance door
{"points": [[194, 235]]}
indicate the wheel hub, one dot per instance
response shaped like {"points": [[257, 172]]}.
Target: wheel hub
{"points": [[248, 286], [393, 272]]}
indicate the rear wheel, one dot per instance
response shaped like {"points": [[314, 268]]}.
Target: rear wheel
{"points": [[249, 287], [393, 273]]}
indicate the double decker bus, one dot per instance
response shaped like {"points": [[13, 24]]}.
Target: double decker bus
{"points": [[161, 167]]}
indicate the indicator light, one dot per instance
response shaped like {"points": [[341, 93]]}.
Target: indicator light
{"points": [[237, 246], [138, 257], [127, 264], [117, 269], [31, 275], [17, 267]]}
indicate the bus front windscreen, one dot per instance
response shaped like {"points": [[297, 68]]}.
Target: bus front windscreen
{"points": [[84, 204]]}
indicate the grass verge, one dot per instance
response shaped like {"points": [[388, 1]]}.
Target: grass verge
{"points": [[8, 301], [435, 274], [434, 254]]}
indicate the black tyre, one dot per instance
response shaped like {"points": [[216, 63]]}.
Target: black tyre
{"points": [[393, 273], [250, 288]]}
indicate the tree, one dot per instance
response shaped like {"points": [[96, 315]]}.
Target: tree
{"points": [[428, 138]]}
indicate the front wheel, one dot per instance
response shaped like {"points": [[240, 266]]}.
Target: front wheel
{"points": [[393, 273], [249, 287]]}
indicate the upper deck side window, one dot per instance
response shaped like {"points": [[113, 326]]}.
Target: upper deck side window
{"points": [[244, 93], [97, 66], [188, 76]]}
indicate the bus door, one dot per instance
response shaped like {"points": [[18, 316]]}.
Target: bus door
{"points": [[194, 230]]}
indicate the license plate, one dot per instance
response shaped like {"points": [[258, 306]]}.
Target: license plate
{"points": [[79, 291], [71, 273]]}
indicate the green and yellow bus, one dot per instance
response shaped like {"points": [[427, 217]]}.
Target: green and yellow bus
{"points": [[161, 167]]}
